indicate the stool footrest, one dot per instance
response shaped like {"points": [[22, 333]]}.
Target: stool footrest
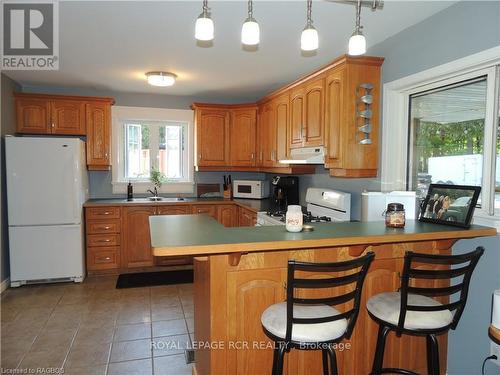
{"points": [[390, 370]]}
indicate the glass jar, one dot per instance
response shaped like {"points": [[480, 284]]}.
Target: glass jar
{"points": [[293, 218], [395, 215]]}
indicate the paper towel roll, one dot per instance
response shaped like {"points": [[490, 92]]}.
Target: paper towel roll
{"points": [[495, 320]]}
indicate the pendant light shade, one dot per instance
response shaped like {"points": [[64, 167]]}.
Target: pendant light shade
{"points": [[204, 27], [250, 31], [309, 40], [357, 41], [357, 44]]}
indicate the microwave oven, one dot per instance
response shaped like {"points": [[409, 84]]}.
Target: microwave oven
{"points": [[253, 189]]}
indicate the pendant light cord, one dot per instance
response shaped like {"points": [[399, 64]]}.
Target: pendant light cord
{"points": [[358, 16], [205, 8], [250, 9], [309, 13]]}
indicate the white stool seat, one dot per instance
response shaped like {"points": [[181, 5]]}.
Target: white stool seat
{"points": [[386, 307], [274, 320]]}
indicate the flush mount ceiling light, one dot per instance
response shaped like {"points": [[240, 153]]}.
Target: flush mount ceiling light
{"points": [[250, 32], [204, 27], [309, 37], [161, 78], [357, 42]]}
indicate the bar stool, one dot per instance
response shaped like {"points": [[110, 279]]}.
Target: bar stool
{"points": [[313, 323], [413, 311]]}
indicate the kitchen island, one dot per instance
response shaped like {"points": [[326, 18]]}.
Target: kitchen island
{"points": [[239, 272]]}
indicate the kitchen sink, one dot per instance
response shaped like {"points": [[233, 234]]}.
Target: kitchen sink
{"points": [[157, 199]]}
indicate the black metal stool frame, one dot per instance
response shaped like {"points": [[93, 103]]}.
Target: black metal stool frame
{"points": [[430, 334], [328, 352]]}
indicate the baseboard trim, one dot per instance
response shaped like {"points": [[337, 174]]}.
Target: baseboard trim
{"points": [[4, 285]]}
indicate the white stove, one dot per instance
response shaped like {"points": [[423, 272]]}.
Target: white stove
{"points": [[323, 205]]}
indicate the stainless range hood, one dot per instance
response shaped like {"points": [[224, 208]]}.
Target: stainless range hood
{"points": [[306, 155]]}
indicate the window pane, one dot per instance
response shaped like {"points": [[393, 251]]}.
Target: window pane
{"points": [[447, 136], [137, 151], [171, 150], [497, 179]]}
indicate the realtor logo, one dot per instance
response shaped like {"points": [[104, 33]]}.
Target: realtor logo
{"points": [[30, 39]]}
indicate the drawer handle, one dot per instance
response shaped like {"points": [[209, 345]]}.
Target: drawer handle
{"points": [[106, 228], [107, 258], [106, 240]]}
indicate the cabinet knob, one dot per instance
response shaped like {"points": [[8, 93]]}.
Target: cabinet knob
{"points": [[53, 125], [252, 156], [108, 258]]}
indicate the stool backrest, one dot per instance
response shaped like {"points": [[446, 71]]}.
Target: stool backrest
{"points": [[359, 268], [454, 266]]}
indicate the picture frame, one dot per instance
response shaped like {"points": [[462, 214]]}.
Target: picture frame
{"points": [[450, 204]]}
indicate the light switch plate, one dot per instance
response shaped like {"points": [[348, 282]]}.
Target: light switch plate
{"points": [[495, 350]]}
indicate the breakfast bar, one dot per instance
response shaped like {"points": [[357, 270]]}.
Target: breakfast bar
{"points": [[239, 272]]}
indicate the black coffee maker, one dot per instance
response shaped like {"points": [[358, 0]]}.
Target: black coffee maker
{"points": [[285, 191]]}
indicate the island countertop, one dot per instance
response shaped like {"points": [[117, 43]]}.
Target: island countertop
{"points": [[179, 235]]}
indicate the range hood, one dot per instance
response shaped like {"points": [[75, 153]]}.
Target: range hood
{"points": [[306, 155]]}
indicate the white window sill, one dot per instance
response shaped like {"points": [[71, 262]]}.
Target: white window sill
{"points": [[487, 220], [167, 188]]}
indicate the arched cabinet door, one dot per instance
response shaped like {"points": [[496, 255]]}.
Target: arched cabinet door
{"points": [[314, 113], [136, 237], [243, 137], [212, 137]]}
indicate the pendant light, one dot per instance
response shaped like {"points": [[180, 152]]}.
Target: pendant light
{"points": [[204, 27], [250, 32], [309, 37], [357, 42]]}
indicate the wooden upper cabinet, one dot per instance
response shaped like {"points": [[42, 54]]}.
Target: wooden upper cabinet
{"points": [[267, 138], [297, 118], [334, 111], [98, 118], [67, 117], [212, 136], [243, 132], [282, 114], [136, 237], [33, 115], [314, 113]]}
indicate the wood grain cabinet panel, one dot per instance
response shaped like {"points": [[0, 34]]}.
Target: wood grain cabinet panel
{"points": [[212, 137], [103, 258], [246, 218], [67, 117], [111, 239], [107, 212], [173, 210], [267, 138], [208, 209], [136, 237], [313, 134], [33, 116], [297, 118], [281, 113], [98, 116], [243, 132], [227, 215], [103, 226], [334, 112]]}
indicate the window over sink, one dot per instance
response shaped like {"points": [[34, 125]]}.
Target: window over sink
{"points": [[150, 138]]}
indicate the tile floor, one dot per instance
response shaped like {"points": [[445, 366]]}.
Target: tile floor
{"points": [[94, 329]]}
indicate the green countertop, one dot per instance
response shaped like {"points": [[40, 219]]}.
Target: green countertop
{"points": [[200, 234]]}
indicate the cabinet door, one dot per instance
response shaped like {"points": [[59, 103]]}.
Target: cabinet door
{"points": [[227, 215], [205, 209], [67, 117], [297, 118], [243, 132], [281, 112], [333, 118], [212, 137], [136, 237], [246, 218], [249, 294], [33, 116], [173, 210], [98, 136], [268, 136], [314, 113]]}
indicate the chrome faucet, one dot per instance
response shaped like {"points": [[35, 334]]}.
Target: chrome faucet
{"points": [[155, 192]]}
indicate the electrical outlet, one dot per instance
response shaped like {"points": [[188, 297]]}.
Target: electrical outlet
{"points": [[495, 350]]}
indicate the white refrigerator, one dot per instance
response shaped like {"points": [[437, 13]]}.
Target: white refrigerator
{"points": [[47, 184]]}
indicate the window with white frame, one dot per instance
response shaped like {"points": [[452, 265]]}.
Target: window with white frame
{"points": [[147, 139], [441, 126]]}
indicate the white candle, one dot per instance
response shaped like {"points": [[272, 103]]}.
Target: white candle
{"points": [[495, 320]]}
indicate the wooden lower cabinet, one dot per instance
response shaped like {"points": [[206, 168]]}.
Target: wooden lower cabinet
{"points": [[210, 210], [227, 215], [246, 218], [229, 301], [173, 261], [136, 237]]}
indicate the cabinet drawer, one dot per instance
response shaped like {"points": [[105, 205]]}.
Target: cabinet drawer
{"points": [[107, 226], [103, 258], [103, 240], [205, 209], [103, 213], [173, 261]]}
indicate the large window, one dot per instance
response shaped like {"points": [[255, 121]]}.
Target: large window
{"points": [[146, 139], [446, 135], [154, 145]]}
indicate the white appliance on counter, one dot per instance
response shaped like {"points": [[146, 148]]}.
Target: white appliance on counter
{"points": [[253, 189], [374, 204], [323, 205], [47, 184]]}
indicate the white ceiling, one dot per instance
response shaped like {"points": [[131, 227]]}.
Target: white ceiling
{"points": [[109, 45]]}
